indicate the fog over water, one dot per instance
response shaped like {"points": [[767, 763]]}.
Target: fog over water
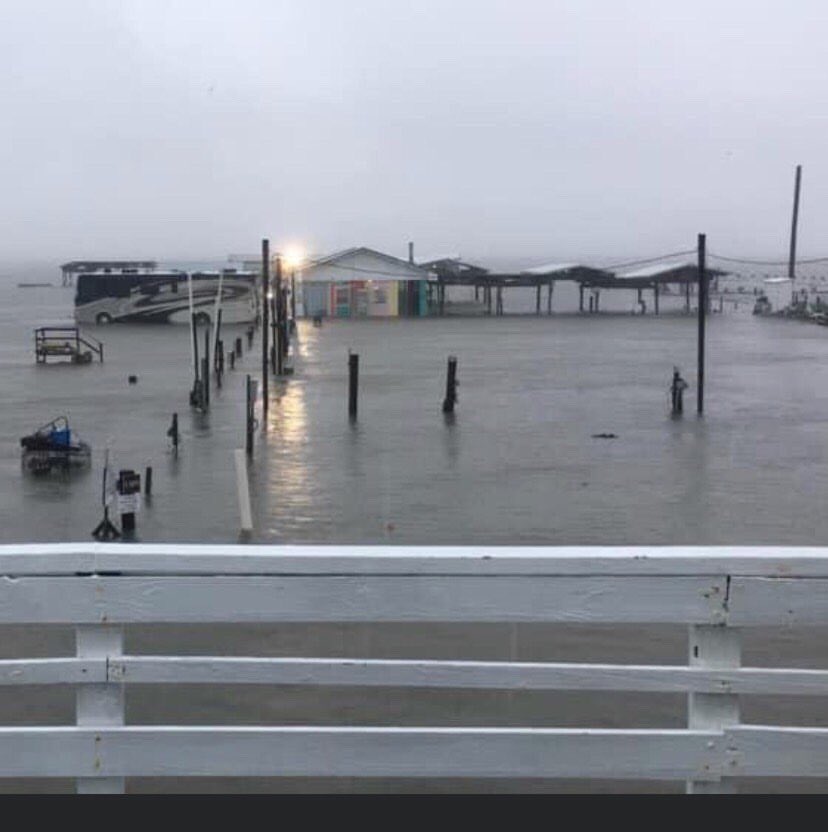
{"points": [[192, 128]]}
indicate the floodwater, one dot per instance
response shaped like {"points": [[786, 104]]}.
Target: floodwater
{"points": [[518, 464]]}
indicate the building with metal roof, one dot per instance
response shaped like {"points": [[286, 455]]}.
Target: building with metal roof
{"points": [[361, 282]]}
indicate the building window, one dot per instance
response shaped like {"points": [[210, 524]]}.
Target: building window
{"points": [[380, 296]]}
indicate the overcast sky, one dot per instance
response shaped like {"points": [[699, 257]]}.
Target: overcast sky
{"points": [[548, 129]]}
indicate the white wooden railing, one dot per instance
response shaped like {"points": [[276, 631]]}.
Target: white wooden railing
{"points": [[99, 589]]}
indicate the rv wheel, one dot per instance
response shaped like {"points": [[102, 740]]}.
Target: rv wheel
{"points": [[103, 318]]}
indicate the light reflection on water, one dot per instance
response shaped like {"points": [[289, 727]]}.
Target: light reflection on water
{"points": [[517, 464]]}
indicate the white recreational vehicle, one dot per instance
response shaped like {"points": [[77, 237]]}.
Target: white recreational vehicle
{"points": [[136, 295]]}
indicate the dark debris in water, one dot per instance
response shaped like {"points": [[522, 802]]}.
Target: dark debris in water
{"points": [[605, 436]]}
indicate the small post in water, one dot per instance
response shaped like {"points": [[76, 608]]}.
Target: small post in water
{"points": [[677, 388], [148, 481], [353, 385], [451, 386], [172, 432]]}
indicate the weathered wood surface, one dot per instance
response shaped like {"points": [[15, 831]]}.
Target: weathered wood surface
{"points": [[778, 601], [99, 587], [183, 559], [141, 751], [717, 648], [99, 705], [760, 751], [463, 674], [387, 598], [52, 671], [416, 673]]}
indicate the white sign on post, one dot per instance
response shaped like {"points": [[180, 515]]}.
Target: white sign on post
{"points": [[128, 503]]}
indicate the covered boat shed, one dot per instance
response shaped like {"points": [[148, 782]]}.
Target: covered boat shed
{"points": [[655, 275]]}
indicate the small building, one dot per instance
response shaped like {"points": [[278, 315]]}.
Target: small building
{"points": [[363, 283]]}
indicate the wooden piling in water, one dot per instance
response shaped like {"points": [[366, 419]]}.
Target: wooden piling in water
{"points": [[172, 432], [538, 298], [249, 410], [279, 331], [353, 384], [148, 481], [655, 298], [204, 401], [238, 347], [549, 289], [274, 335], [284, 325], [265, 324], [206, 368], [702, 313], [451, 385], [580, 297], [293, 296]]}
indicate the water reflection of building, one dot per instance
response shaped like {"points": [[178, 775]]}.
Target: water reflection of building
{"points": [[363, 283]]}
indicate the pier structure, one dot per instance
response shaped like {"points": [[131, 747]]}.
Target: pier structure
{"points": [[653, 277]]}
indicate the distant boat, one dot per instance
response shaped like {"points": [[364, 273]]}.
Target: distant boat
{"points": [[33, 285]]}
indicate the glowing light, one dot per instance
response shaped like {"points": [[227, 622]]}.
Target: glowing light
{"points": [[294, 256]]}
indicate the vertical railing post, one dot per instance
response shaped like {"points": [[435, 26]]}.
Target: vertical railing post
{"points": [[716, 647], [99, 705]]}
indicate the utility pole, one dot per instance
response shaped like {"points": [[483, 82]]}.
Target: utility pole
{"points": [[702, 314], [794, 221]]}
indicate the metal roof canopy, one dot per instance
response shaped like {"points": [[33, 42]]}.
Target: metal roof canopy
{"points": [[405, 270], [684, 272]]}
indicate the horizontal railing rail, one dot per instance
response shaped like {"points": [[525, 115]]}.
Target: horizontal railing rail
{"points": [[100, 589]]}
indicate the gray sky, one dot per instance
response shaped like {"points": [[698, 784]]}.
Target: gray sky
{"points": [[591, 128]]}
